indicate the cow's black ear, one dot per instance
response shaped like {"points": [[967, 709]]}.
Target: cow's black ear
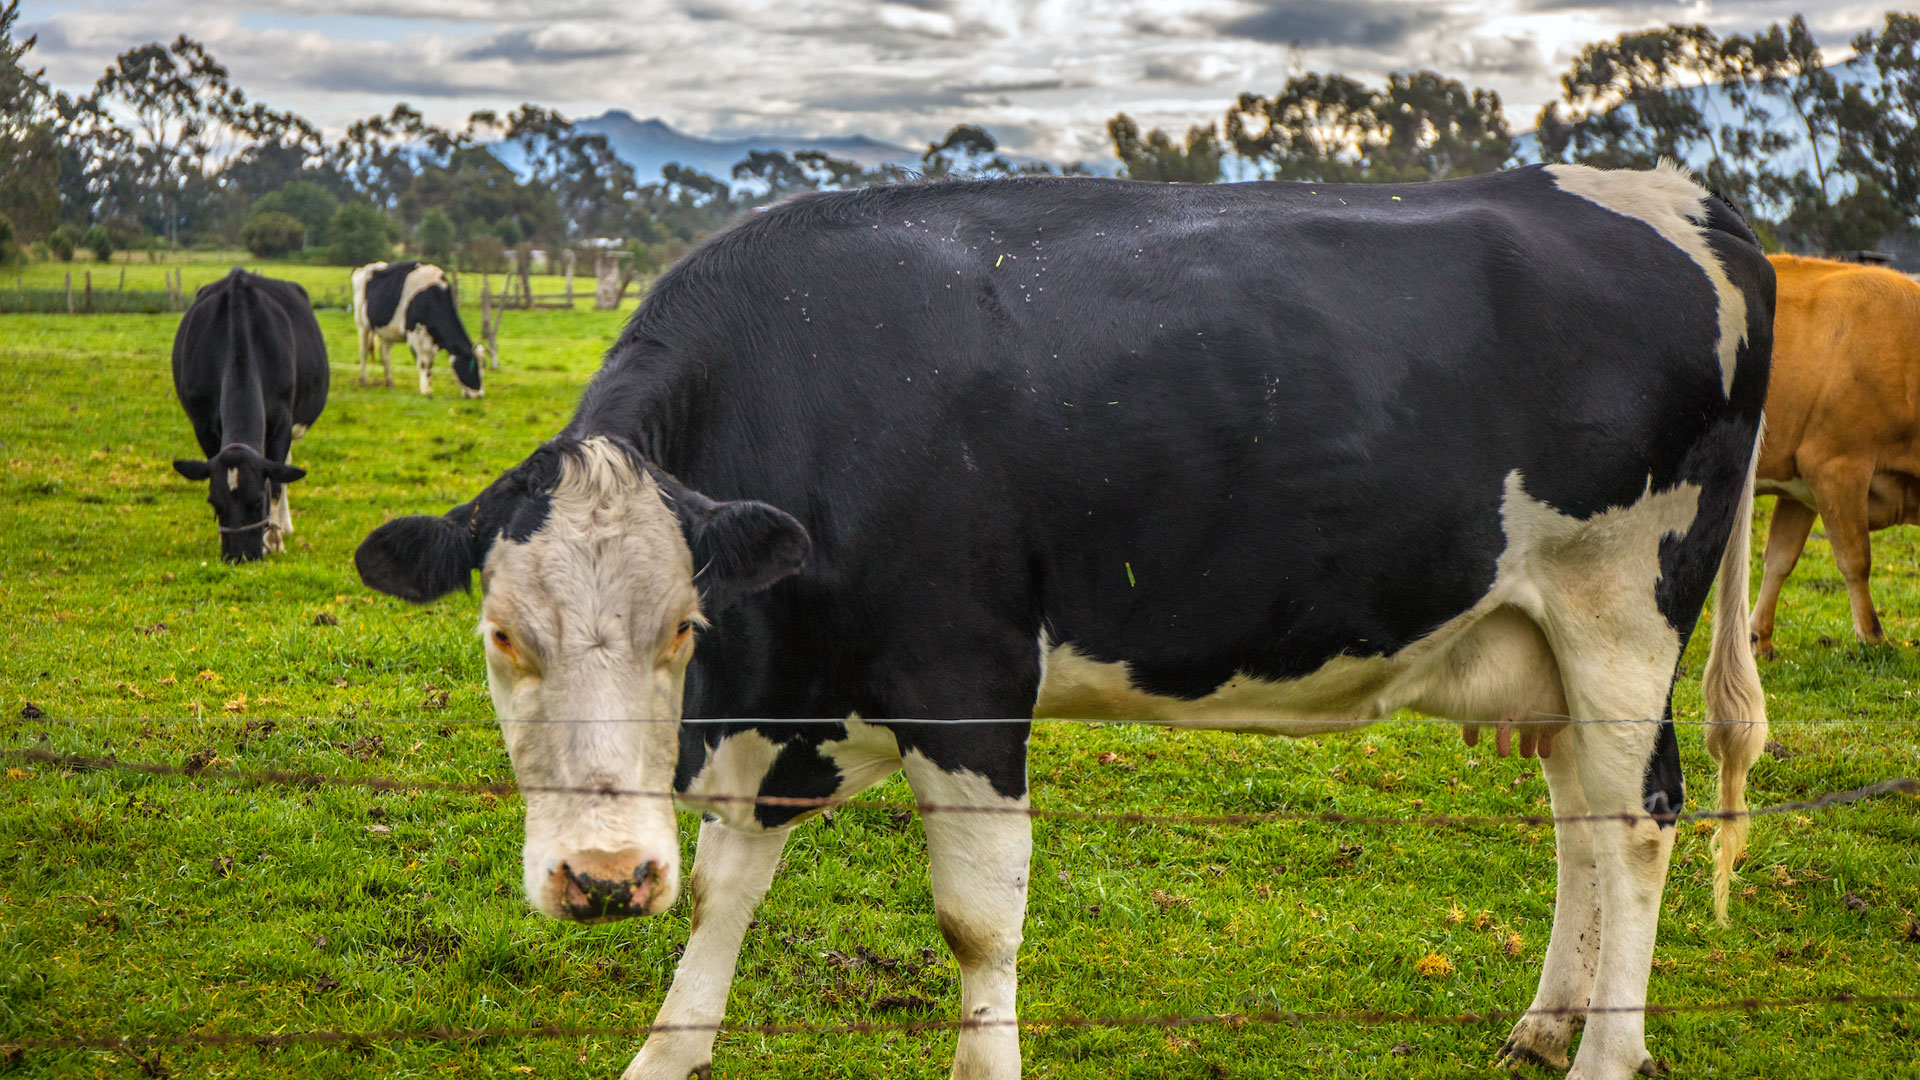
{"points": [[285, 473], [193, 469], [419, 558], [740, 548]]}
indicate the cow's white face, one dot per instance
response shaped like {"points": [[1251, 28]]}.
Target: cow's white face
{"points": [[588, 626], [588, 615]]}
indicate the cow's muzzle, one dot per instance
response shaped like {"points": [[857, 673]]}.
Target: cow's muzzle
{"points": [[602, 886]]}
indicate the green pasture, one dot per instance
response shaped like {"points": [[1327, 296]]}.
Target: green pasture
{"points": [[134, 904]]}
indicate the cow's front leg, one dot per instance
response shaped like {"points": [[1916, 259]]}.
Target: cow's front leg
{"points": [[386, 360], [1629, 772], [979, 861], [1573, 949], [731, 872]]}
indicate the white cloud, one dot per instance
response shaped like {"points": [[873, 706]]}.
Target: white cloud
{"points": [[1044, 76]]}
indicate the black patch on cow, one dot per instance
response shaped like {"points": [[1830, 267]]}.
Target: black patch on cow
{"points": [[432, 307], [1199, 430], [995, 751], [799, 770], [385, 287], [1663, 789]]}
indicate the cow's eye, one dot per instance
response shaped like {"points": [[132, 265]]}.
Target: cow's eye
{"points": [[502, 638], [681, 635]]}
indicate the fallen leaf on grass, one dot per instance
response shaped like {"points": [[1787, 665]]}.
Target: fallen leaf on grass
{"points": [[238, 704], [199, 760], [208, 675], [325, 619], [1434, 966], [324, 983], [379, 830]]}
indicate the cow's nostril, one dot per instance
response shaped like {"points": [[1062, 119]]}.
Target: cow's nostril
{"points": [[590, 897]]}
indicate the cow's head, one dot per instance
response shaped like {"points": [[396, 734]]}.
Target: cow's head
{"points": [[596, 569], [241, 485], [466, 368]]}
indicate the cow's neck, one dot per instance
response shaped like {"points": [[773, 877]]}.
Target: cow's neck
{"points": [[243, 413]]}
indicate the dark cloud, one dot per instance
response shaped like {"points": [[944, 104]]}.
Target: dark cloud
{"points": [[1324, 22], [527, 47]]}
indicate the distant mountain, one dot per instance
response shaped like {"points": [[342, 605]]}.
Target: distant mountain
{"points": [[648, 145]]}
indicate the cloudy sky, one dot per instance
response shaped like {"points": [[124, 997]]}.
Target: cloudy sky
{"points": [[1044, 76]]}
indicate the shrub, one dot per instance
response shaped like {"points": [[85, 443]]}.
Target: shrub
{"points": [[62, 242], [361, 234], [273, 234], [307, 202], [436, 234], [7, 252], [99, 241], [489, 255], [508, 230]]}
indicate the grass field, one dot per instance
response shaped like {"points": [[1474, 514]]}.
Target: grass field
{"points": [[134, 904]]}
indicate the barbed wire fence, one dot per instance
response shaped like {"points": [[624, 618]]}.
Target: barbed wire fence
{"points": [[199, 768]]}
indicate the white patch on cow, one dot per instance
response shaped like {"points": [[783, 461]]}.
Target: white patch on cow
{"points": [[424, 348], [1491, 662], [299, 431], [233, 479], [1668, 200], [730, 778], [588, 684]]}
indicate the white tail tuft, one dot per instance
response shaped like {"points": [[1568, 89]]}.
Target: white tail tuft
{"points": [[1736, 708]]}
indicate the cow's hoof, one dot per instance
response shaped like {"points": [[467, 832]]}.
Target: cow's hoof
{"points": [[1536, 1040]]}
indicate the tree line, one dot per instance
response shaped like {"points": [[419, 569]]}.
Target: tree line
{"points": [[1680, 91], [165, 150]]}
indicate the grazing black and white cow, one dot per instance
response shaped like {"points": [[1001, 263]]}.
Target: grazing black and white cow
{"points": [[250, 368], [1267, 457], [413, 302]]}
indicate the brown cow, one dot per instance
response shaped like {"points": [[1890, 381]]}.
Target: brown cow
{"points": [[1843, 423]]}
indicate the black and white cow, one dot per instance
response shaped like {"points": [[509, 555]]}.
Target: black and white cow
{"points": [[1268, 457], [250, 368], [413, 302]]}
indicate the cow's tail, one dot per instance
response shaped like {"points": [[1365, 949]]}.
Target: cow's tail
{"points": [[1736, 709]]}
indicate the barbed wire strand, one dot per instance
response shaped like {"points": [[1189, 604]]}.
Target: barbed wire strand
{"points": [[1901, 785], [1535, 719], [1366, 1018]]}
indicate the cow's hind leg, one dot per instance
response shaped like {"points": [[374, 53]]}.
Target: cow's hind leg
{"points": [[1842, 491], [1786, 539], [1573, 949], [732, 870], [979, 845]]}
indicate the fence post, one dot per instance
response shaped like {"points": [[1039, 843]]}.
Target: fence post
{"points": [[123, 276], [570, 258], [89, 292], [69, 292]]}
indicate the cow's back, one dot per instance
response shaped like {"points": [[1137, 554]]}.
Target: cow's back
{"points": [[1846, 375], [1208, 430]]}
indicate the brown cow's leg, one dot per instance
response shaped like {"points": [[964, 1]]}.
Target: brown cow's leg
{"points": [[1842, 493], [1786, 539]]}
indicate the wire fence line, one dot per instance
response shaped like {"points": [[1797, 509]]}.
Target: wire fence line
{"points": [[1532, 720], [1349, 1017], [267, 777]]}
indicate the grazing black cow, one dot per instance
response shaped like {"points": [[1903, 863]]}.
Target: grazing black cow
{"points": [[413, 302], [250, 368], [1269, 457]]}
